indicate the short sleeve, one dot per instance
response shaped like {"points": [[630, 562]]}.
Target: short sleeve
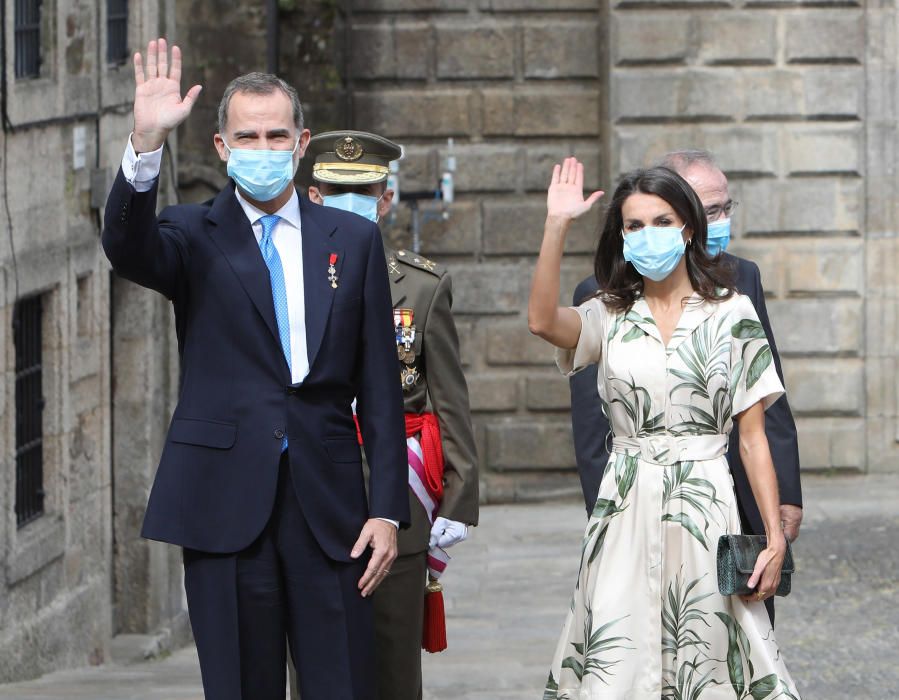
{"points": [[753, 375], [593, 315]]}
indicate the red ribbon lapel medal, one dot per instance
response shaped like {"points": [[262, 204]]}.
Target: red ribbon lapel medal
{"points": [[332, 271]]}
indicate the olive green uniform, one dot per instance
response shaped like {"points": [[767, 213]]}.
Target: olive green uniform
{"points": [[420, 285]]}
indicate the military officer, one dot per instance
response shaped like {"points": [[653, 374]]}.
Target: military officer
{"points": [[350, 172]]}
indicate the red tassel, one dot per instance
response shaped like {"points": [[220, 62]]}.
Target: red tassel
{"points": [[433, 638]]}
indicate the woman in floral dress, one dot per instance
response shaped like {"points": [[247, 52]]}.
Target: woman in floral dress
{"points": [[681, 357]]}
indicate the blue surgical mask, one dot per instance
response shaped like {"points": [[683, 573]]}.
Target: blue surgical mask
{"points": [[718, 237], [263, 175], [361, 204], [654, 250]]}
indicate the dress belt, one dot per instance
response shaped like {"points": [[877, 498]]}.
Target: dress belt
{"points": [[670, 449]]}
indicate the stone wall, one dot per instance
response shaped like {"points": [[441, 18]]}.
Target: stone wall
{"points": [[309, 34], [795, 98], [58, 601], [777, 91], [517, 84]]}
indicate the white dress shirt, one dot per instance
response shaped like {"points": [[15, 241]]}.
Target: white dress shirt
{"points": [[142, 170], [288, 240]]}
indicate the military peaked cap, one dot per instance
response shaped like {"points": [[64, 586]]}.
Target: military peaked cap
{"points": [[352, 157]]}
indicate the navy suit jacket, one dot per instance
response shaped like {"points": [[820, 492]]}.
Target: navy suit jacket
{"points": [[591, 427], [215, 486]]}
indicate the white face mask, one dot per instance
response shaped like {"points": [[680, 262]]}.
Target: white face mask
{"points": [[262, 174], [362, 204], [654, 250]]}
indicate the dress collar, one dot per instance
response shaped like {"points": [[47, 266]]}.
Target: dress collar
{"points": [[696, 310]]}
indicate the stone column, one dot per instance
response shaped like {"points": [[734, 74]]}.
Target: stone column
{"points": [[881, 237]]}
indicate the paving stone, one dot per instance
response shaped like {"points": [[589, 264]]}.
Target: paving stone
{"points": [[510, 583]]}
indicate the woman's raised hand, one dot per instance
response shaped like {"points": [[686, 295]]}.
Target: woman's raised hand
{"points": [[158, 105], [565, 198]]}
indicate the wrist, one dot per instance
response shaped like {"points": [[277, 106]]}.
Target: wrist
{"points": [[776, 538], [557, 224], [148, 141]]}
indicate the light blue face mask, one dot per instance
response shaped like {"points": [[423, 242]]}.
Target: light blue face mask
{"points": [[361, 204], [718, 237], [262, 175], [654, 250]]}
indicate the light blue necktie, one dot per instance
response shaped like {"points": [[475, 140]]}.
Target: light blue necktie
{"points": [[279, 288]]}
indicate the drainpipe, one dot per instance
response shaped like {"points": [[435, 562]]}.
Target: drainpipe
{"points": [[271, 37]]}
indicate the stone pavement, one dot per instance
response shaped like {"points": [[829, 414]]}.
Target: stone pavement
{"points": [[508, 587]]}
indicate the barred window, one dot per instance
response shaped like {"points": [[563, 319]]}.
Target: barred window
{"points": [[117, 31], [28, 338], [28, 38]]}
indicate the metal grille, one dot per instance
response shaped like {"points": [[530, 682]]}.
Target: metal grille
{"points": [[116, 31], [28, 335], [28, 38]]}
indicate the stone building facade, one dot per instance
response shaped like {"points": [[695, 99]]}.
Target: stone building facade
{"points": [[797, 99], [73, 572]]}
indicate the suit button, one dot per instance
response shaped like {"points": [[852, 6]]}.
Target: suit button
{"points": [[279, 433]]}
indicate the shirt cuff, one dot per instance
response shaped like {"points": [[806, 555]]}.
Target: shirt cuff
{"points": [[395, 523], [141, 169]]}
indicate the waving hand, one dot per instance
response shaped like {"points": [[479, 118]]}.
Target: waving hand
{"points": [[158, 105], [565, 197]]}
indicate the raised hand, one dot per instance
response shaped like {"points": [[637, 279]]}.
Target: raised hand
{"points": [[565, 198], [158, 105]]}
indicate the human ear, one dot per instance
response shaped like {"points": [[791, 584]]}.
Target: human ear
{"points": [[315, 195], [219, 144], [385, 204]]}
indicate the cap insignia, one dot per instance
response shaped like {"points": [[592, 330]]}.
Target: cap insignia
{"points": [[348, 149]]}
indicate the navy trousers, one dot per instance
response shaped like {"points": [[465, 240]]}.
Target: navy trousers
{"points": [[244, 607]]}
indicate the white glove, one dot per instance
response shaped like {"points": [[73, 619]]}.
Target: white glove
{"points": [[445, 533]]}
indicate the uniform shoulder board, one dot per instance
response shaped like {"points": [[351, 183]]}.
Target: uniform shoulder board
{"points": [[419, 261]]}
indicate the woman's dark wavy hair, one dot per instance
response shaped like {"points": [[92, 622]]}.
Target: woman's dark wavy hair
{"points": [[619, 282]]}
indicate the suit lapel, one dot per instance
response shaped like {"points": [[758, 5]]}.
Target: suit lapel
{"points": [[318, 292], [234, 237]]}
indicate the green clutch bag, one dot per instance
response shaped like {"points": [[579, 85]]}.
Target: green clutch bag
{"points": [[736, 562]]}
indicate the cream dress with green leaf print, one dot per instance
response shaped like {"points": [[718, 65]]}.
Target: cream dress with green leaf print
{"points": [[646, 619]]}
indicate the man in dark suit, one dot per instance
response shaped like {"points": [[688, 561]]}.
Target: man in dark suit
{"points": [[283, 314], [591, 428]]}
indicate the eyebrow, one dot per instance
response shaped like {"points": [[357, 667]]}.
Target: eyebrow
{"points": [[270, 133], [637, 220]]}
